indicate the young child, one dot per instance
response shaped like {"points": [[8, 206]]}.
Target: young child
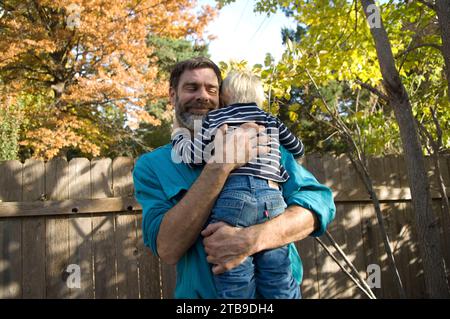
{"points": [[251, 194]]}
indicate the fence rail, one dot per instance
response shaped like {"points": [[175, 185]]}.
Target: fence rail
{"points": [[57, 213]]}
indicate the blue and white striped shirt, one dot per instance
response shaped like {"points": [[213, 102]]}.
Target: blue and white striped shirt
{"points": [[197, 151]]}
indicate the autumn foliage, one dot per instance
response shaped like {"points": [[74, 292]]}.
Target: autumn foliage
{"points": [[76, 70]]}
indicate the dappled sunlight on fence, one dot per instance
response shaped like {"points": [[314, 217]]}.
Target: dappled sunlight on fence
{"points": [[58, 213]]}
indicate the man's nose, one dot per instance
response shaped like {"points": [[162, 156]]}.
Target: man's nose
{"points": [[202, 94]]}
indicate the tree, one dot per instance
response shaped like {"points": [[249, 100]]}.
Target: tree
{"points": [[90, 61]]}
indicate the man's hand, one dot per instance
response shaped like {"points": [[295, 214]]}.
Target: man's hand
{"points": [[234, 148], [227, 246]]}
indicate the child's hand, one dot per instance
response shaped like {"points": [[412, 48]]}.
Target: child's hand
{"points": [[223, 128], [238, 145]]}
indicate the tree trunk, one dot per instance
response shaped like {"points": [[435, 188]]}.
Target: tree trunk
{"points": [[425, 219], [436, 145], [443, 13]]}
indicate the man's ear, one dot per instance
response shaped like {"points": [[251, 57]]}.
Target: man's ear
{"points": [[172, 96]]}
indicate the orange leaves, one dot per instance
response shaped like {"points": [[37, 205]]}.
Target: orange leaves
{"points": [[63, 133], [89, 54]]}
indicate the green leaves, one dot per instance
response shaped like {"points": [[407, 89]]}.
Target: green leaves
{"points": [[9, 133], [337, 49]]}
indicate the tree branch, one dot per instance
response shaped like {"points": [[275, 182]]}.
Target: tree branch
{"points": [[429, 5], [373, 90], [438, 127], [417, 46], [349, 263], [426, 135], [357, 282]]}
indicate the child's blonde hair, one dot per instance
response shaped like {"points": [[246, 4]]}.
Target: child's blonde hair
{"points": [[242, 86]]}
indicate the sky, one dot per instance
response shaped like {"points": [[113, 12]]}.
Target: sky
{"points": [[245, 35]]}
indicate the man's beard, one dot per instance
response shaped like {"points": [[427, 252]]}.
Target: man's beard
{"points": [[187, 119]]}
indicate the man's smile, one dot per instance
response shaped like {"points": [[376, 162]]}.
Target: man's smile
{"points": [[198, 110]]}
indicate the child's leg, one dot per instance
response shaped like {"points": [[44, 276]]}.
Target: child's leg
{"points": [[237, 206], [273, 275], [273, 272], [237, 283]]}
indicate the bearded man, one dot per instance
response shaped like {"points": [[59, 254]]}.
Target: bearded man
{"points": [[177, 200]]}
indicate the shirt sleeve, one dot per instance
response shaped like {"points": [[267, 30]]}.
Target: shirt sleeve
{"points": [[303, 189], [289, 140], [193, 152], [149, 193]]}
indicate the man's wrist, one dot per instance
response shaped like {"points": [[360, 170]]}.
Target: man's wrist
{"points": [[256, 238], [219, 168], [276, 233]]}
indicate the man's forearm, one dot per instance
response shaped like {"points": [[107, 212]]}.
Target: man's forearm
{"points": [[183, 223], [228, 246], [295, 224]]}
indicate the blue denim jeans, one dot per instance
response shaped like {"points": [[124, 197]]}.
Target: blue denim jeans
{"points": [[244, 201]]}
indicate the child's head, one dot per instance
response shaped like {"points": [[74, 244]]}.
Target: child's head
{"points": [[242, 86]]}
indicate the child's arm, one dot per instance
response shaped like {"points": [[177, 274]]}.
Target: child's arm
{"points": [[289, 140]]}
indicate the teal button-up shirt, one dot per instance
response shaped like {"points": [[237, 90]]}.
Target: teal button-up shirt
{"points": [[159, 184]]}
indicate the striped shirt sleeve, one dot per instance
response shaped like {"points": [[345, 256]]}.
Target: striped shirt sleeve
{"points": [[192, 152], [293, 144]]}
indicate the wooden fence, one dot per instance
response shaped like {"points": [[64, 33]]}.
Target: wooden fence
{"points": [[57, 213]]}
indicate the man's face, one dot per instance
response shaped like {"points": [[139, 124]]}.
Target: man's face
{"points": [[197, 94]]}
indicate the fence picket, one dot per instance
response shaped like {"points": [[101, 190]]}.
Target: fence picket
{"points": [[168, 280], [33, 233], [80, 228], [57, 231], [149, 268], [126, 233], [10, 232], [373, 247], [329, 275], [103, 232]]}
